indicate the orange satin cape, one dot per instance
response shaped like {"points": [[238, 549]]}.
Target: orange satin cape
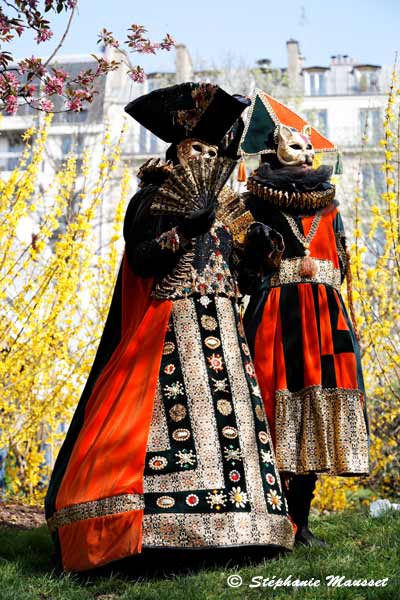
{"points": [[108, 457]]}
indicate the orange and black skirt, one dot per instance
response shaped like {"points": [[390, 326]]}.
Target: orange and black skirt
{"points": [[308, 366]]}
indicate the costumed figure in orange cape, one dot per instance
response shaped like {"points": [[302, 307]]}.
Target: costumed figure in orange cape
{"points": [[169, 447], [301, 338]]}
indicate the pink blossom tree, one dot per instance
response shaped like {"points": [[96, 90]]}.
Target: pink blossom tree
{"points": [[37, 82]]}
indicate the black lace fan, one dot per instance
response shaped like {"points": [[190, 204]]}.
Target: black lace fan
{"points": [[188, 187]]}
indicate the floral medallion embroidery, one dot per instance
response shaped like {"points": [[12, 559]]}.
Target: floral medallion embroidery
{"points": [[259, 413], [185, 458], [169, 369], [209, 323], [245, 349], [216, 499], [192, 500], [216, 363], [234, 476], [230, 432], [250, 369], [266, 457], [204, 301], [220, 385], [232, 454], [169, 347], [224, 407], [174, 390], [177, 412], [165, 502], [212, 342], [270, 479], [158, 463], [238, 498], [274, 500], [263, 437], [181, 435]]}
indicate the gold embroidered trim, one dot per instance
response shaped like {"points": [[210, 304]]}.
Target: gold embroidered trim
{"points": [[289, 272], [95, 508], [184, 530], [322, 430], [305, 200]]}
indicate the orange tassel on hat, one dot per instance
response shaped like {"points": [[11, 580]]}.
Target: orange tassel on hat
{"points": [[242, 171]]}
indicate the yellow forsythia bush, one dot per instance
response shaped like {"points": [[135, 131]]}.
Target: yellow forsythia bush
{"points": [[55, 290], [56, 287], [376, 290]]}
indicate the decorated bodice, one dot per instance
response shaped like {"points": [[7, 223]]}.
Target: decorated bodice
{"points": [[203, 268], [326, 248]]}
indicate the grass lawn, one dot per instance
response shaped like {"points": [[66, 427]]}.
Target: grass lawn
{"points": [[360, 548]]}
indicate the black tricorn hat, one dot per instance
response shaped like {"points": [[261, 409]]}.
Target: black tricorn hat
{"points": [[198, 110]]}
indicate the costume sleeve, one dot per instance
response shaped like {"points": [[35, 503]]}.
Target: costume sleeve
{"points": [[152, 243], [261, 256], [341, 245]]}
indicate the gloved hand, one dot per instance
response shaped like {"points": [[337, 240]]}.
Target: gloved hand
{"points": [[264, 246], [199, 221]]}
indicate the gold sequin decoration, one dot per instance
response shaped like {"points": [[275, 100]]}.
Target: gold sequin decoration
{"points": [[259, 413], [165, 502], [230, 432], [212, 342], [177, 412], [209, 323], [224, 407], [181, 435], [169, 347], [245, 349]]}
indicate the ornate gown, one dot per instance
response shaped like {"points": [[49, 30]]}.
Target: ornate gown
{"points": [[305, 352], [169, 447]]}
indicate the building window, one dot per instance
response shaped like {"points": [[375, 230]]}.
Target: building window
{"points": [[371, 125], [373, 182], [11, 149], [368, 81], [318, 119], [317, 84]]}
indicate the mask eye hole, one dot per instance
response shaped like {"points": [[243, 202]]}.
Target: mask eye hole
{"points": [[296, 146], [309, 147], [197, 147], [212, 153]]}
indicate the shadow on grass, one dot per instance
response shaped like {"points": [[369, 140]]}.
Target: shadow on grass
{"points": [[32, 548]]}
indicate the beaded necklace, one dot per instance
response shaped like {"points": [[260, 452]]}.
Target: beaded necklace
{"points": [[308, 266]]}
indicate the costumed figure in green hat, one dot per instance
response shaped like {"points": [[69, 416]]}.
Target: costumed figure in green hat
{"points": [[300, 335], [169, 449]]}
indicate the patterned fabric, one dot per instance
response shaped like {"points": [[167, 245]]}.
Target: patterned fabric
{"points": [[210, 476], [306, 355]]}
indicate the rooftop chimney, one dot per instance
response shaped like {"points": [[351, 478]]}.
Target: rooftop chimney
{"points": [[183, 64], [294, 64]]}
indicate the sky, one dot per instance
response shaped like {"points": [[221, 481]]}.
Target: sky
{"points": [[219, 30]]}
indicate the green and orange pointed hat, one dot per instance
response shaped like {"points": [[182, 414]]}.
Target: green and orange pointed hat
{"points": [[264, 116]]}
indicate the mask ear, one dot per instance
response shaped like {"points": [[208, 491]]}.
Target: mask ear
{"points": [[285, 132], [307, 130]]}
